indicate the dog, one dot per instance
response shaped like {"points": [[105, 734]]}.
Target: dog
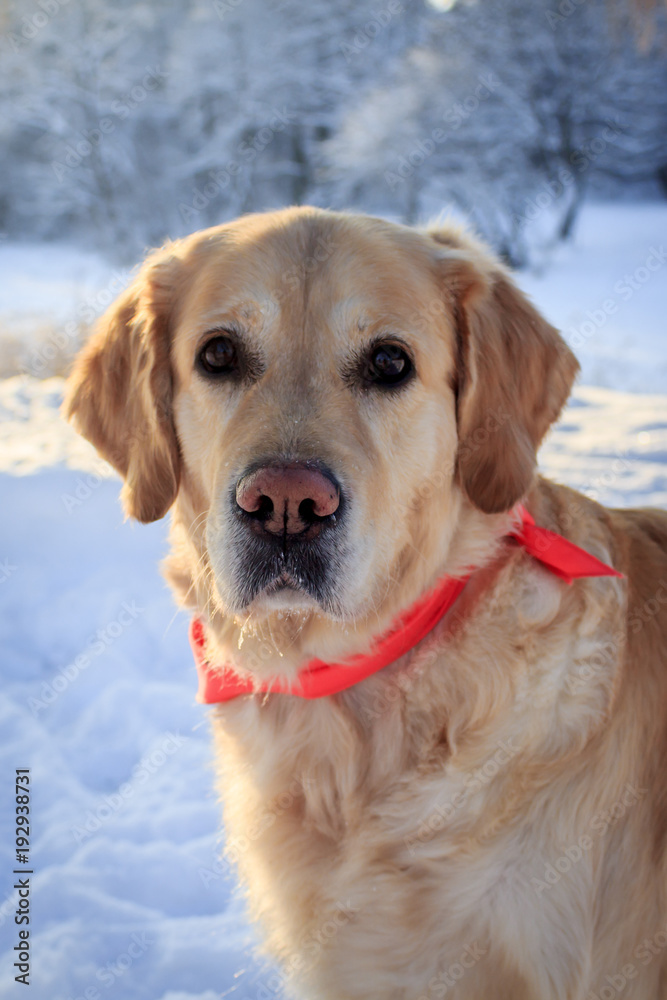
{"points": [[341, 413]]}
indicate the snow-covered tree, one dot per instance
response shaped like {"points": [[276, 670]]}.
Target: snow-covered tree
{"points": [[128, 122]]}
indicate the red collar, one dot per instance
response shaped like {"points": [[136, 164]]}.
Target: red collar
{"points": [[317, 679]]}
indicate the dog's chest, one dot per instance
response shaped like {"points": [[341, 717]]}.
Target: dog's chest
{"points": [[377, 885], [375, 868]]}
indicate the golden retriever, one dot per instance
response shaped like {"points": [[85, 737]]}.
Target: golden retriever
{"points": [[339, 411]]}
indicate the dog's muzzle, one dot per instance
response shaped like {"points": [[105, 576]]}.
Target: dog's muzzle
{"points": [[287, 519]]}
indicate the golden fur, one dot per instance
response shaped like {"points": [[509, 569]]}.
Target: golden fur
{"points": [[486, 818]]}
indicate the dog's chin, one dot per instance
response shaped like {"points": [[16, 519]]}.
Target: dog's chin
{"points": [[282, 595], [286, 597]]}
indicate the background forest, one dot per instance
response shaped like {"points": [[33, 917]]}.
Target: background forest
{"points": [[126, 123]]}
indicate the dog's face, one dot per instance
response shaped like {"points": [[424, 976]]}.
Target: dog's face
{"points": [[310, 402], [321, 394]]}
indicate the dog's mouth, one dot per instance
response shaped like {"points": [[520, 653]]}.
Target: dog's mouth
{"points": [[284, 582], [282, 573], [288, 594]]}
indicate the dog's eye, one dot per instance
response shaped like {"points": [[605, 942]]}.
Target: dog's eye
{"points": [[218, 356], [388, 364]]}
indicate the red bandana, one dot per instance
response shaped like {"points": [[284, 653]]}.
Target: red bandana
{"points": [[317, 679]]}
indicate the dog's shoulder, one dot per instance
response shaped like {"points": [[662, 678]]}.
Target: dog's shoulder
{"points": [[642, 532], [633, 540]]}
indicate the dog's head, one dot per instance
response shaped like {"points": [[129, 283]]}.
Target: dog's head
{"points": [[322, 395]]}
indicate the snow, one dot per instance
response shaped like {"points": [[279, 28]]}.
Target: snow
{"points": [[126, 825], [130, 898], [49, 296], [607, 294], [65, 275]]}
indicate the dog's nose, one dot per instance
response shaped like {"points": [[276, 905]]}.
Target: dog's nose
{"points": [[288, 499]]}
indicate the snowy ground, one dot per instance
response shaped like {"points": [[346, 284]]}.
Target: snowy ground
{"points": [[49, 297], [129, 900], [607, 292]]}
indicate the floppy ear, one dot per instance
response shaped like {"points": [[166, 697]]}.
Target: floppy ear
{"points": [[119, 395], [514, 373]]}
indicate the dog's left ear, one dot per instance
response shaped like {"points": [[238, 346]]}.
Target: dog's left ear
{"points": [[514, 373], [119, 395]]}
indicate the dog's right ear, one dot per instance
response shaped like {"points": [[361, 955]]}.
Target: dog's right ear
{"points": [[119, 395]]}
